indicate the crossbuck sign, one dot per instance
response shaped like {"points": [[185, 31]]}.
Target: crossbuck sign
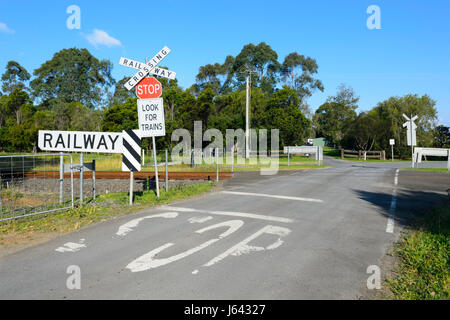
{"points": [[149, 67]]}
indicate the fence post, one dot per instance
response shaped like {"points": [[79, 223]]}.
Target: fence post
{"points": [[1, 193], [61, 177], [167, 173], [93, 180], [342, 154], [289, 156], [81, 178], [448, 164], [232, 159], [217, 164]]}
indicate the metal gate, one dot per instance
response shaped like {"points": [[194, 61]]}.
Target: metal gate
{"points": [[29, 185]]}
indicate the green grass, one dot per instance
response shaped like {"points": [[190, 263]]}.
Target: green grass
{"points": [[427, 169], [424, 252], [105, 207]]}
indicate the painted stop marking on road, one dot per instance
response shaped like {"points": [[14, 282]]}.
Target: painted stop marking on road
{"points": [[149, 88]]}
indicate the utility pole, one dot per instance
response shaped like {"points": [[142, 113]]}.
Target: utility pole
{"points": [[412, 147], [247, 106]]}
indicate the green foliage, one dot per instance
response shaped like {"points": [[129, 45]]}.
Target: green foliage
{"points": [[333, 119], [72, 75], [424, 270], [282, 113], [120, 117], [14, 77]]}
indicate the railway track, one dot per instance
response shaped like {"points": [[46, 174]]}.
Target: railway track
{"points": [[125, 175]]}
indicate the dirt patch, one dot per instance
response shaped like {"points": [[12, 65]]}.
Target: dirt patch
{"points": [[15, 242]]}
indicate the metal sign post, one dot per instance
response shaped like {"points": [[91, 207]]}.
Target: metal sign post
{"points": [[167, 173], [93, 180], [411, 134], [131, 187], [156, 167], [81, 179], [61, 178]]}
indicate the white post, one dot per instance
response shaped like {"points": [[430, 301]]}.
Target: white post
{"points": [[217, 164], [412, 145], [93, 180], [448, 159], [232, 159], [392, 147], [247, 102], [81, 178], [143, 157], [156, 167], [131, 187], [167, 173], [61, 178], [289, 156]]}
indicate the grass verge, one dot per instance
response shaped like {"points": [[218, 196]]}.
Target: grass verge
{"points": [[105, 207], [423, 272]]}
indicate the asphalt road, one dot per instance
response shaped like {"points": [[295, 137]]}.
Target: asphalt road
{"points": [[297, 235]]}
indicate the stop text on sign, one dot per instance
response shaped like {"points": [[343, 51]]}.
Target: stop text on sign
{"points": [[151, 117], [149, 88]]}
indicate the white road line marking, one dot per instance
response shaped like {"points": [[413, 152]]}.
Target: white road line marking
{"points": [[199, 219], [148, 260], [390, 222], [130, 225], [272, 196], [232, 214], [243, 247], [72, 246]]}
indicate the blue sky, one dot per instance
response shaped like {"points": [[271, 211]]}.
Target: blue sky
{"points": [[409, 54]]}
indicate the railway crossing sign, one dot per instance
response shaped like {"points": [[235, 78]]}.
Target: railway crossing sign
{"points": [[150, 106], [140, 66], [149, 88], [147, 68], [411, 130]]}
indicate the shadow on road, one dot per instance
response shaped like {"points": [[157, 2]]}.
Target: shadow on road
{"points": [[409, 205]]}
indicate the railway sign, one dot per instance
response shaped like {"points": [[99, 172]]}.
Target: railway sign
{"points": [[411, 130], [151, 117], [147, 68], [79, 141], [140, 66], [391, 142], [149, 88]]}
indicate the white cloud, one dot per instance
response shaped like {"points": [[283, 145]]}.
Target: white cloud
{"points": [[99, 37], [5, 29]]}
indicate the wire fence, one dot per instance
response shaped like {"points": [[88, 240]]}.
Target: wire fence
{"points": [[29, 185]]}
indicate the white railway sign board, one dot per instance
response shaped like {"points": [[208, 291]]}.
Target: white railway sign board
{"points": [[79, 141], [411, 130], [151, 117], [392, 142], [140, 66], [147, 68]]}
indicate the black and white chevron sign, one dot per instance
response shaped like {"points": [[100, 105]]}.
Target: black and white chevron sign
{"points": [[131, 151]]}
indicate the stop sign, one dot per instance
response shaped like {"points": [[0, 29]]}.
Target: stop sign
{"points": [[149, 88]]}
